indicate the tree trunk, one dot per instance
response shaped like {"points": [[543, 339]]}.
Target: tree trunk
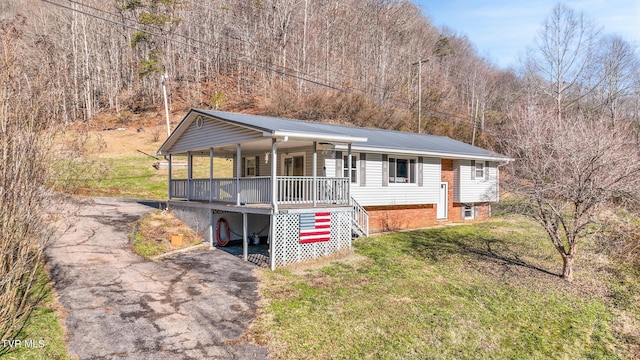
{"points": [[567, 267]]}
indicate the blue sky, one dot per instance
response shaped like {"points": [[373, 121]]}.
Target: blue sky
{"points": [[502, 29]]}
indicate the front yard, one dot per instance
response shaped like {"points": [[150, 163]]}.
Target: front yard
{"points": [[486, 290]]}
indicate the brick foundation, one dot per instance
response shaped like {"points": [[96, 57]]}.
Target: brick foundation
{"points": [[389, 218]]}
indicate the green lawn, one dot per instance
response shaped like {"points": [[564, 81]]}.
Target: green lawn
{"points": [[481, 291], [134, 177], [43, 336]]}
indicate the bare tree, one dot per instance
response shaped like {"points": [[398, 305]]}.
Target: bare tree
{"points": [[619, 64], [566, 170], [563, 62], [28, 110]]}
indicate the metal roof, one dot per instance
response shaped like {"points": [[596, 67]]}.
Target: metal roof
{"points": [[377, 139]]}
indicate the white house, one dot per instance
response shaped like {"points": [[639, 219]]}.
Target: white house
{"points": [[308, 187]]}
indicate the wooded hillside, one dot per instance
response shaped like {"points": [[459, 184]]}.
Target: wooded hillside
{"points": [[362, 62], [351, 61]]}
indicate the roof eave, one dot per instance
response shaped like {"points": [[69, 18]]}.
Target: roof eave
{"points": [[447, 155], [316, 136]]}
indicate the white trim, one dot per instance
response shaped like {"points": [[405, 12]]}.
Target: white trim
{"points": [[436, 154], [472, 208], [245, 167], [411, 170], [354, 166], [315, 136], [446, 202]]}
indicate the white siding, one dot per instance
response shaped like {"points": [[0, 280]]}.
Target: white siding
{"points": [[264, 169], [212, 133], [374, 194], [468, 190]]}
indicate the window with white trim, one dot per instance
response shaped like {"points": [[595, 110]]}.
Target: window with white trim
{"points": [[250, 166], [468, 212], [353, 174], [402, 170], [479, 170]]}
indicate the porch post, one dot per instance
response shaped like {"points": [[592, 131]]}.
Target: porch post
{"points": [[245, 247], [272, 241], [189, 174], [349, 164], [169, 170], [210, 174], [315, 173], [238, 173], [274, 185]]}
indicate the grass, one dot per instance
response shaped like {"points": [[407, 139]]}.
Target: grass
{"points": [[128, 176], [120, 167], [43, 336], [153, 232], [466, 292]]}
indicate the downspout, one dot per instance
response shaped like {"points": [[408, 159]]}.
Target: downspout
{"points": [[274, 184], [315, 173], [238, 173]]}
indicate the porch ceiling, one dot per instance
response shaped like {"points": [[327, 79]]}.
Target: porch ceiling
{"points": [[255, 146]]}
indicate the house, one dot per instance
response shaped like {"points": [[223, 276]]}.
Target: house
{"points": [[308, 187]]}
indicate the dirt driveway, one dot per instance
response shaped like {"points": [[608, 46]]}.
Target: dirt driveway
{"points": [[190, 306]]}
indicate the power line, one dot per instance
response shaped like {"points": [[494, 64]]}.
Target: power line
{"points": [[164, 37], [283, 71]]}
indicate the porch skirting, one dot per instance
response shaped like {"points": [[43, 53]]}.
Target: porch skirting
{"points": [[284, 229]]}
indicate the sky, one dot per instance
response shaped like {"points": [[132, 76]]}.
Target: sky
{"points": [[502, 29]]}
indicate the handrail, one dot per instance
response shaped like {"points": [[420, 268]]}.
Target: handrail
{"points": [[360, 218], [257, 190]]}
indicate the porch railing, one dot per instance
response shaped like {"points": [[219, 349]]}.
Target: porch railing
{"points": [[257, 190], [300, 190]]}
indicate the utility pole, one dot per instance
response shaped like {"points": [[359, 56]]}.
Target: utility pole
{"points": [[163, 78], [419, 63]]}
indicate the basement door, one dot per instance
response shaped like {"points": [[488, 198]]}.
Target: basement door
{"points": [[443, 200]]}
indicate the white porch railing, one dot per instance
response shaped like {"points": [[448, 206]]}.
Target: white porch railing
{"points": [[257, 190], [300, 190]]}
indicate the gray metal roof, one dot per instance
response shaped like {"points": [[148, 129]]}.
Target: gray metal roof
{"points": [[376, 138]]}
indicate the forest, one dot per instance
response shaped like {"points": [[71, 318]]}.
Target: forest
{"points": [[348, 61], [354, 61]]}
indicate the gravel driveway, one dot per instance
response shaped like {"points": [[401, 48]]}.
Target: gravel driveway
{"points": [[189, 306]]}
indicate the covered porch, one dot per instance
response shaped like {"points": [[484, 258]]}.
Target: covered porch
{"points": [[268, 178], [274, 171]]}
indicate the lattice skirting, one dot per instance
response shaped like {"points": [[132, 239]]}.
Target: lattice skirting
{"points": [[287, 248]]}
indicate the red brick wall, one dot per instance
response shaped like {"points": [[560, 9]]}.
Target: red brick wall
{"points": [[389, 218]]}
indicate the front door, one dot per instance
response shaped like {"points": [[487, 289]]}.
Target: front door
{"points": [[441, 210]]}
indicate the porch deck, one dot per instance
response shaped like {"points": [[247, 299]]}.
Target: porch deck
{"points": [[258, 192], [255, 208]]}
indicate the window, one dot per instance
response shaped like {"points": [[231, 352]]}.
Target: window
{"points": [[354, 169], [402, 170], [293, 165], [467, 212], [479, 170], [250, 166]]}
